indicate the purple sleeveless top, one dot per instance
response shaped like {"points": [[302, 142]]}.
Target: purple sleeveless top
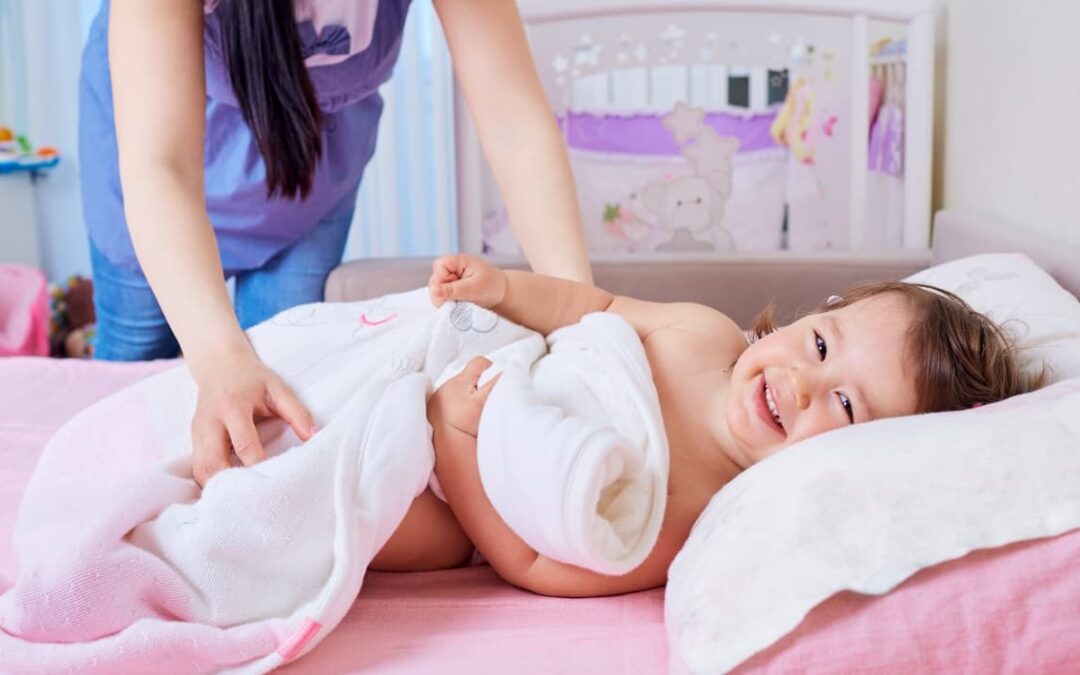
{"points": [[346, 71]]}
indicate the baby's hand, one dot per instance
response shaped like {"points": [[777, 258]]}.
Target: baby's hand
{"points": [[458, 402], [468, 279]]}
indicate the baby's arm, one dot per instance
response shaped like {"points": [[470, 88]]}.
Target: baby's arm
{"points": [[541, 303], [545, 304], [454, 412]]}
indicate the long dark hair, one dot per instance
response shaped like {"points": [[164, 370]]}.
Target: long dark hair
{"points": [[262, 51]]}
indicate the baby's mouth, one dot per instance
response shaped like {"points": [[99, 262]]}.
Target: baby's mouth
{"points": [[770, 403]]}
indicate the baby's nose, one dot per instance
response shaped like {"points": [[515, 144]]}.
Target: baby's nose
{"points": [[800, 388]]}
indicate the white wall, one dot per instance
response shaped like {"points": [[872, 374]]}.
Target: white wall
{"points": [[1008, 133]]}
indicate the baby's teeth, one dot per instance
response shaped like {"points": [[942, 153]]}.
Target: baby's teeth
{"points": [[771, 404]]}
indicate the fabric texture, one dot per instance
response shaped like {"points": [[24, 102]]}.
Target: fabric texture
{"points": [[256, 569], [586, 417]]}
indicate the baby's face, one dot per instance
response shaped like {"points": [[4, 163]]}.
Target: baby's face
{"points": [[820, 373]]}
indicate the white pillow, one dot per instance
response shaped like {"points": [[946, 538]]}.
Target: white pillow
{"points": [[864, 507], [1019, 295]]}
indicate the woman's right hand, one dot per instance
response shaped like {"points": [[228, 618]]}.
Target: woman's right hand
{"points": [[235, 390], [466, 278]]}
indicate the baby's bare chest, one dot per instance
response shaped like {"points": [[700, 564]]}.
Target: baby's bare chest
{"points": [[691, 377]]}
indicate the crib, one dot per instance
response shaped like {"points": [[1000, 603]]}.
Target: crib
{"points": [[713, 128]]}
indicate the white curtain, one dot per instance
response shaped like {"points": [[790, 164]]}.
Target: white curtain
{"points": [[407, 204]]}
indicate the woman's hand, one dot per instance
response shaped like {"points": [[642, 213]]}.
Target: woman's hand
{"points": [[457, 404], [235, 390], [466, 278]]}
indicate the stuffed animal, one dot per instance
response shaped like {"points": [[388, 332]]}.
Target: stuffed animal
{"points": [[72, 327], [691, 208]]}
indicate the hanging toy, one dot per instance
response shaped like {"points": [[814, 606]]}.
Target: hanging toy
{"points": [[18, 154]]}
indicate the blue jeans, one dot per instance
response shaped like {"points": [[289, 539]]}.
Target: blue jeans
{"points": [[131, 326]]}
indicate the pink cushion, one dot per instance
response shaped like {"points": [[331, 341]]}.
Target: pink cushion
{"points": [[24, 312]]}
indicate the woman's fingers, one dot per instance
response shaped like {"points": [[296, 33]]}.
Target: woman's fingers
{"points": [[283, 402], [245, 439], [211, 449]]}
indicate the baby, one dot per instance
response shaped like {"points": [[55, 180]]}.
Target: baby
{"points": [[881, 350]]}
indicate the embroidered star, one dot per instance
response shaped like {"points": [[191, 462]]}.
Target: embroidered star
{"points": [[684, 122], [711, 152], [587, 55], [673, 35]]}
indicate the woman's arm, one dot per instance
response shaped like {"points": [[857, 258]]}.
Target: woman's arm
{"points": [[156, 62], [518, 132]]}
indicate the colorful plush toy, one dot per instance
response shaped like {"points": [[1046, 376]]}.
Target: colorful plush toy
{"points": [[71, 327]]}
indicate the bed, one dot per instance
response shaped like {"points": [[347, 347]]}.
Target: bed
{"points": [[467, 620]]}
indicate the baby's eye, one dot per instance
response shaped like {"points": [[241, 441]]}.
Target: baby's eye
{"points": [[846, 402], [821, 347]]}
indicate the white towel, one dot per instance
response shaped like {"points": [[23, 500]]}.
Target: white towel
{"points": [[573, 454], [124, 560]]}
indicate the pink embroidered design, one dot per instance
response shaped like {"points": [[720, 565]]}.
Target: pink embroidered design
{"points": [[295, 644], [376, 322], [827, 125]]}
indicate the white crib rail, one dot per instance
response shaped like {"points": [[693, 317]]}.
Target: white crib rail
{"points": [[919, 17], [538, 11]]}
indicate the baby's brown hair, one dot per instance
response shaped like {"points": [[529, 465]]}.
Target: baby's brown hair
{"points": [[962, 358]]}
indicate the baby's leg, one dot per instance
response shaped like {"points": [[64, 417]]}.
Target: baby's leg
{"points": [[429, 538]]}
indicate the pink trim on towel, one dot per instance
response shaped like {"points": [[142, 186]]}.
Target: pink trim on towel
{"points": [[299, 639]]}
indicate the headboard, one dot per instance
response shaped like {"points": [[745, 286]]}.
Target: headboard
{"points": [[961, 233], [742, 285]]}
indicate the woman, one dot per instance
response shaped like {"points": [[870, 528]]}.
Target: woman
{"points": [[227, 138]]}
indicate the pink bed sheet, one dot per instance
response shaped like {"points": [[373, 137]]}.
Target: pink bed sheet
{"points": [[1015, 609]]}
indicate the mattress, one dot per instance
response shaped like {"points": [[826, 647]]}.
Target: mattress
{"points": [[1011, 609]]}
